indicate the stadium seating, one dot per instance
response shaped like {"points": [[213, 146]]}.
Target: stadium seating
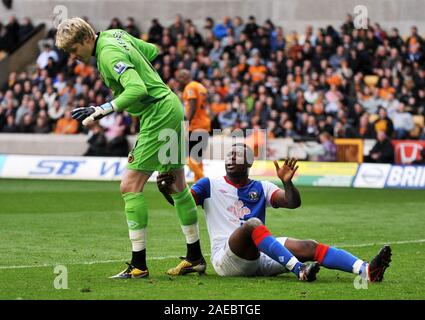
{"points": [[310, 82]]}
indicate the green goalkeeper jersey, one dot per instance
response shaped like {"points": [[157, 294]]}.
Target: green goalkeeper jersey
{"points": [[124, 63]]}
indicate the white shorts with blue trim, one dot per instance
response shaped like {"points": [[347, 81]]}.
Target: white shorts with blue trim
{"points": [[226, 263]]}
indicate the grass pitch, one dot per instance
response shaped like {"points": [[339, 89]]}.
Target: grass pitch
{"points": [[81, 225]]}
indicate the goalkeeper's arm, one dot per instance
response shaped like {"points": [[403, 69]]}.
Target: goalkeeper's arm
{"points": [[134, 90]]}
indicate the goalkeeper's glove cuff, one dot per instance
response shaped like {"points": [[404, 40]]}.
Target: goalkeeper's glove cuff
{"points": [[108, 108], [99, 112]]}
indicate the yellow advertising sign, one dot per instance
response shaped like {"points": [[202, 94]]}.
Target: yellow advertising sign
{"points": [[267, 168]]}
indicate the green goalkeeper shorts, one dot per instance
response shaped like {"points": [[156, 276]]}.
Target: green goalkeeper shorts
{"points": [[160, 145]]}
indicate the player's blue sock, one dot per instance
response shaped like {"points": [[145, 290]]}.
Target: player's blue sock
{"points": [[333, 258], [268, 244]]}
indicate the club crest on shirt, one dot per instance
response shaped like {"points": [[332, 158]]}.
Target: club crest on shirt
{"points": [[130, 158], [253, 195], [120, 67]]}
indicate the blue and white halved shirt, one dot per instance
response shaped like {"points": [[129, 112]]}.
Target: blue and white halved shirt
{"points": [[227, 206]]}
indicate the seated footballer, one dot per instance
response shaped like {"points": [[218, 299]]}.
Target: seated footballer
{"points": [[241, 244]]}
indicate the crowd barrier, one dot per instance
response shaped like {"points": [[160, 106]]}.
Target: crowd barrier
{"points": [[76, 145]]}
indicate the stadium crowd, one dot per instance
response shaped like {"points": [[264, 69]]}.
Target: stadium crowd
{"points": [[347, 83], [12, 33]]}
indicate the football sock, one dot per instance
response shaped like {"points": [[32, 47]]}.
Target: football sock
{"points": [[333, 258], [193, 251], [137, 219], [268, 244], [136, 210], [138, 243], [188, 215], [138, 259]]}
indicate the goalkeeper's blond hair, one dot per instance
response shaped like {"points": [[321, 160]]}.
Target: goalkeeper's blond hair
{"points": [[72, 31]]}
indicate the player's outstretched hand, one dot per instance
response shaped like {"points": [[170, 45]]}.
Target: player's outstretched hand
{"points": [[164, 182], [81, 113], [287, 171], [90, 114]]}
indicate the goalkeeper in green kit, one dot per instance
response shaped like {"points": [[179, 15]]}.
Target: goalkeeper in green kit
{"points": [[124, 63]]}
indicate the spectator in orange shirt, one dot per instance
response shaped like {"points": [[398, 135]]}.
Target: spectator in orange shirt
{"points": [[257, 70], [217, 105], [294, 48], [67, 125], [384, 123], [271, 127], [386, 89], [242, 65], [220, 88], [83, 70], [298, 75], [414, 37], [334, 79]]}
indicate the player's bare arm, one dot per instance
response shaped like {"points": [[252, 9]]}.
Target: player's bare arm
{"points": [[192, 110], [290, 198]]}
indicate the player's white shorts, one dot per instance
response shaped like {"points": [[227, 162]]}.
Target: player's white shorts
{"points": [[226, 263]]}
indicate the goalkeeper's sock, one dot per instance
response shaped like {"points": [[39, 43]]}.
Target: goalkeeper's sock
{"points": [[193, 251], [333, 258], [188, 216], [138, 243], [137, 219], [138, 259], [268, 244]]}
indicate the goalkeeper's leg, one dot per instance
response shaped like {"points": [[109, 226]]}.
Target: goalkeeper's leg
{"points": [[188, 216], [137, 218]]}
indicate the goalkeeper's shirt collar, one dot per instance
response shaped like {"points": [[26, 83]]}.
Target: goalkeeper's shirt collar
{"points": [[95, 44]]}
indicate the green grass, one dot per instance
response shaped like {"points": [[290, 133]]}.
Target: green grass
{"points": [[73, 223]]}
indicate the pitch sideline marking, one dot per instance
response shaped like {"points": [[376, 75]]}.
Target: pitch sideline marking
{"points": [[378, 243], [83, 263], [207, 255]]}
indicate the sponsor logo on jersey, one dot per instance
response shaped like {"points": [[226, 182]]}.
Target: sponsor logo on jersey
{"points": [[238, 209]]}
